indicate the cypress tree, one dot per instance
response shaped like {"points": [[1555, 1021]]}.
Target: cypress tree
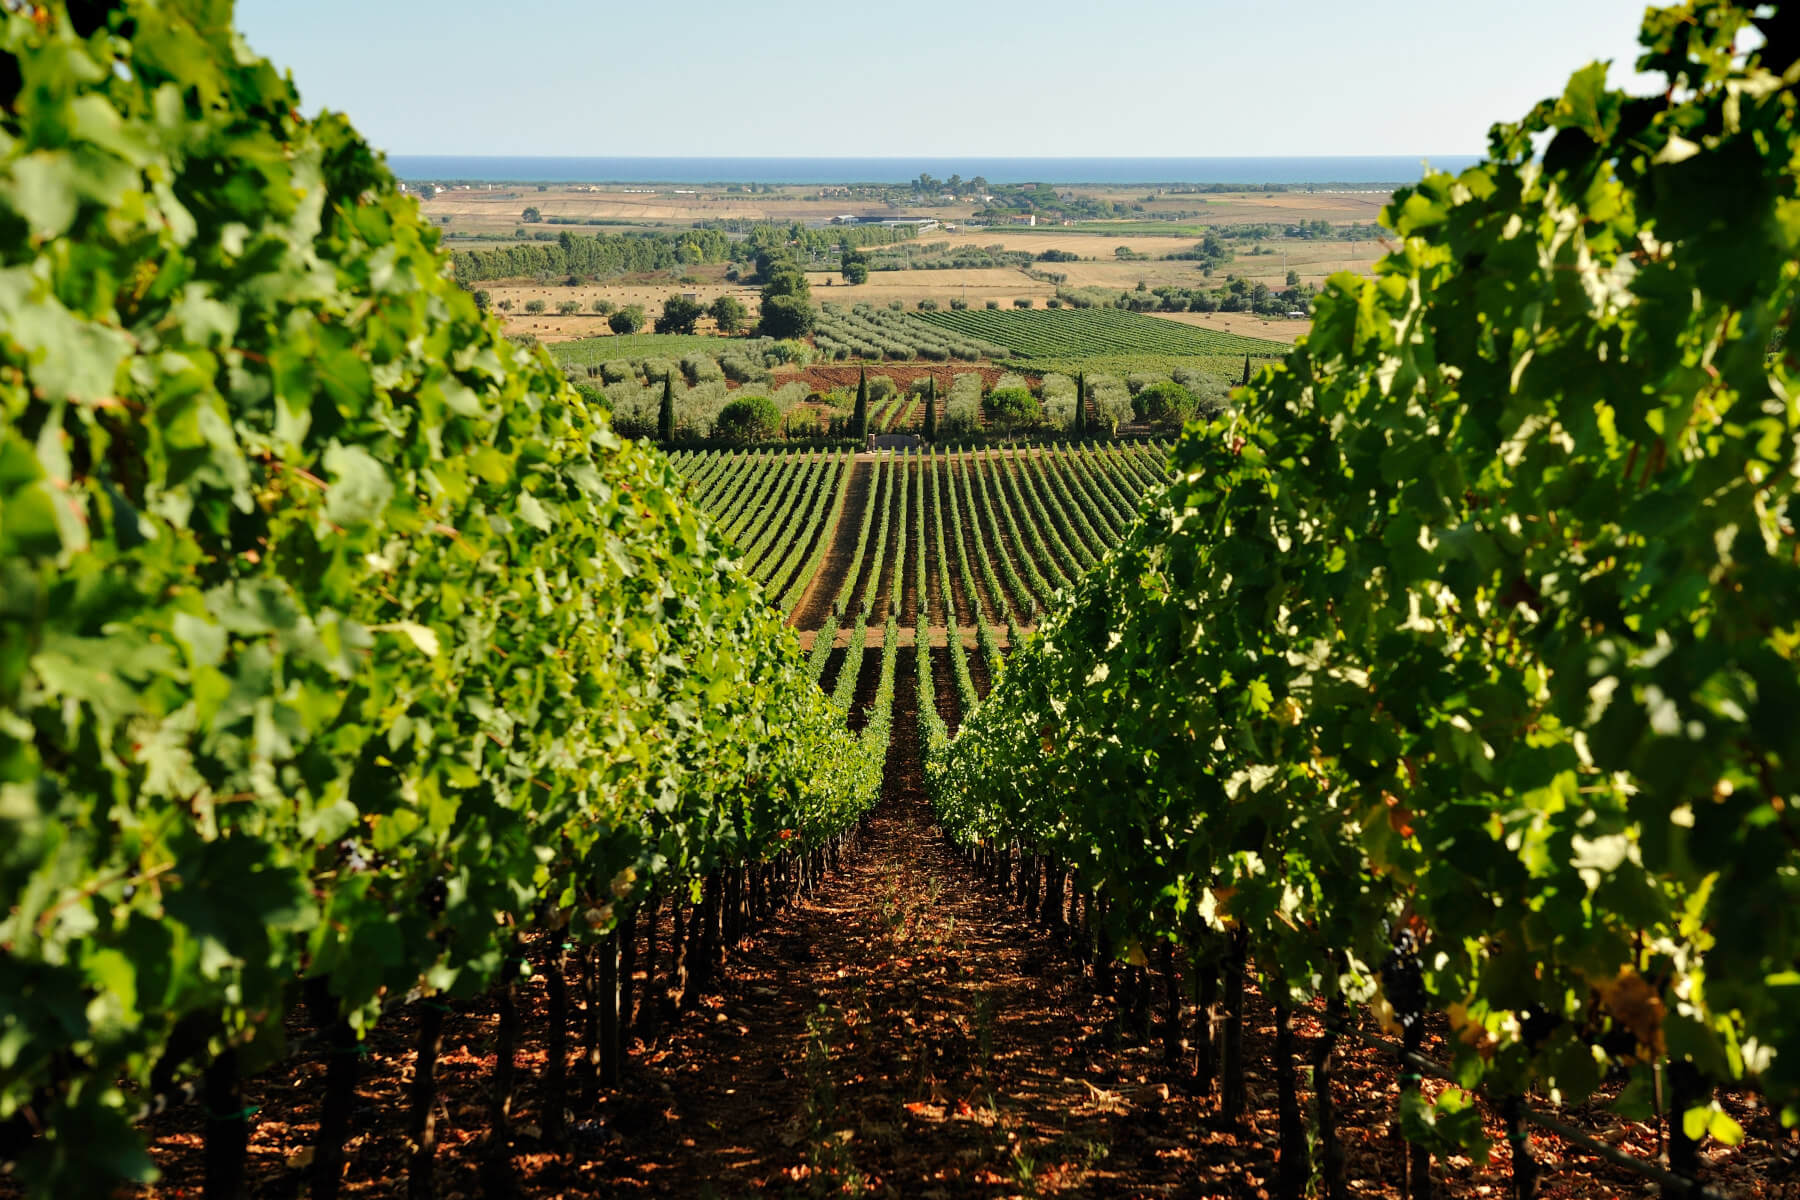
{"points": [[931, 408], [1245, 381], [1080, 426], [665, 416], [859, 421]]}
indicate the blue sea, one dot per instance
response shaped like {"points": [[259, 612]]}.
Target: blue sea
{"points": [[1369, 170]]}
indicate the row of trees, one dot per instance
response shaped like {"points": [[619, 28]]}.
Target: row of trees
{"points": [[596, 254]]}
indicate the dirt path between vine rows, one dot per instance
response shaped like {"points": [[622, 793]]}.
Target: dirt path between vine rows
{"points": [[901, 1033]]}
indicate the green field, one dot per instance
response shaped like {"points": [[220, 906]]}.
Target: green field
{"points": [[588, 352], [1075, 334]]}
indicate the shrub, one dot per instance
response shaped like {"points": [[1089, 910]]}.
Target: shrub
{"points": [[701, 368], [617, 371], [1053, 302], [593, 395], [896, 306], [741, 370], [788, 350], [1012, 408], [629, 319], [749, 419], [993, 305], [1022, 302], [1167, 404], [958, 305], [790, 394], [928, 305], [801, 423], [881, 388]]}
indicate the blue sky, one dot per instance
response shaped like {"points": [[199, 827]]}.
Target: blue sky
{"points": [[1053, 77]]}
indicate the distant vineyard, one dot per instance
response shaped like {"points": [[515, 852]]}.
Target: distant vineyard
{"points": [[1070, 334], [1024, 524], [864, 331]]}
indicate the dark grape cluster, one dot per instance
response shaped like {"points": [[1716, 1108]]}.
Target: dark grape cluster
{"points": [[1403, 979]]}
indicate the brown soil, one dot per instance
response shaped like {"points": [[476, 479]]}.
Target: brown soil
{"points": [[868, 679], [959, 597], [868, 570], [910, 583], [937, 605], [945, 687], [828, 676], [891, 559], [814, 609], [979, 673]]}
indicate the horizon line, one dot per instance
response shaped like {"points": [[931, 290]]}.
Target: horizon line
{"points": [[934, 154]]}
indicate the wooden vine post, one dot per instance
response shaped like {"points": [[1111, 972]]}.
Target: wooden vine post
{"points": [[421, 1129], [227, 1128], [343, 1052], [496, 1155]]}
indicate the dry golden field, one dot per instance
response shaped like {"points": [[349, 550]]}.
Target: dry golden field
{"points": [[1276, 329], [1124, 276], [549, 326], [1314, 260], [1249, 208], [1088, 245]]}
